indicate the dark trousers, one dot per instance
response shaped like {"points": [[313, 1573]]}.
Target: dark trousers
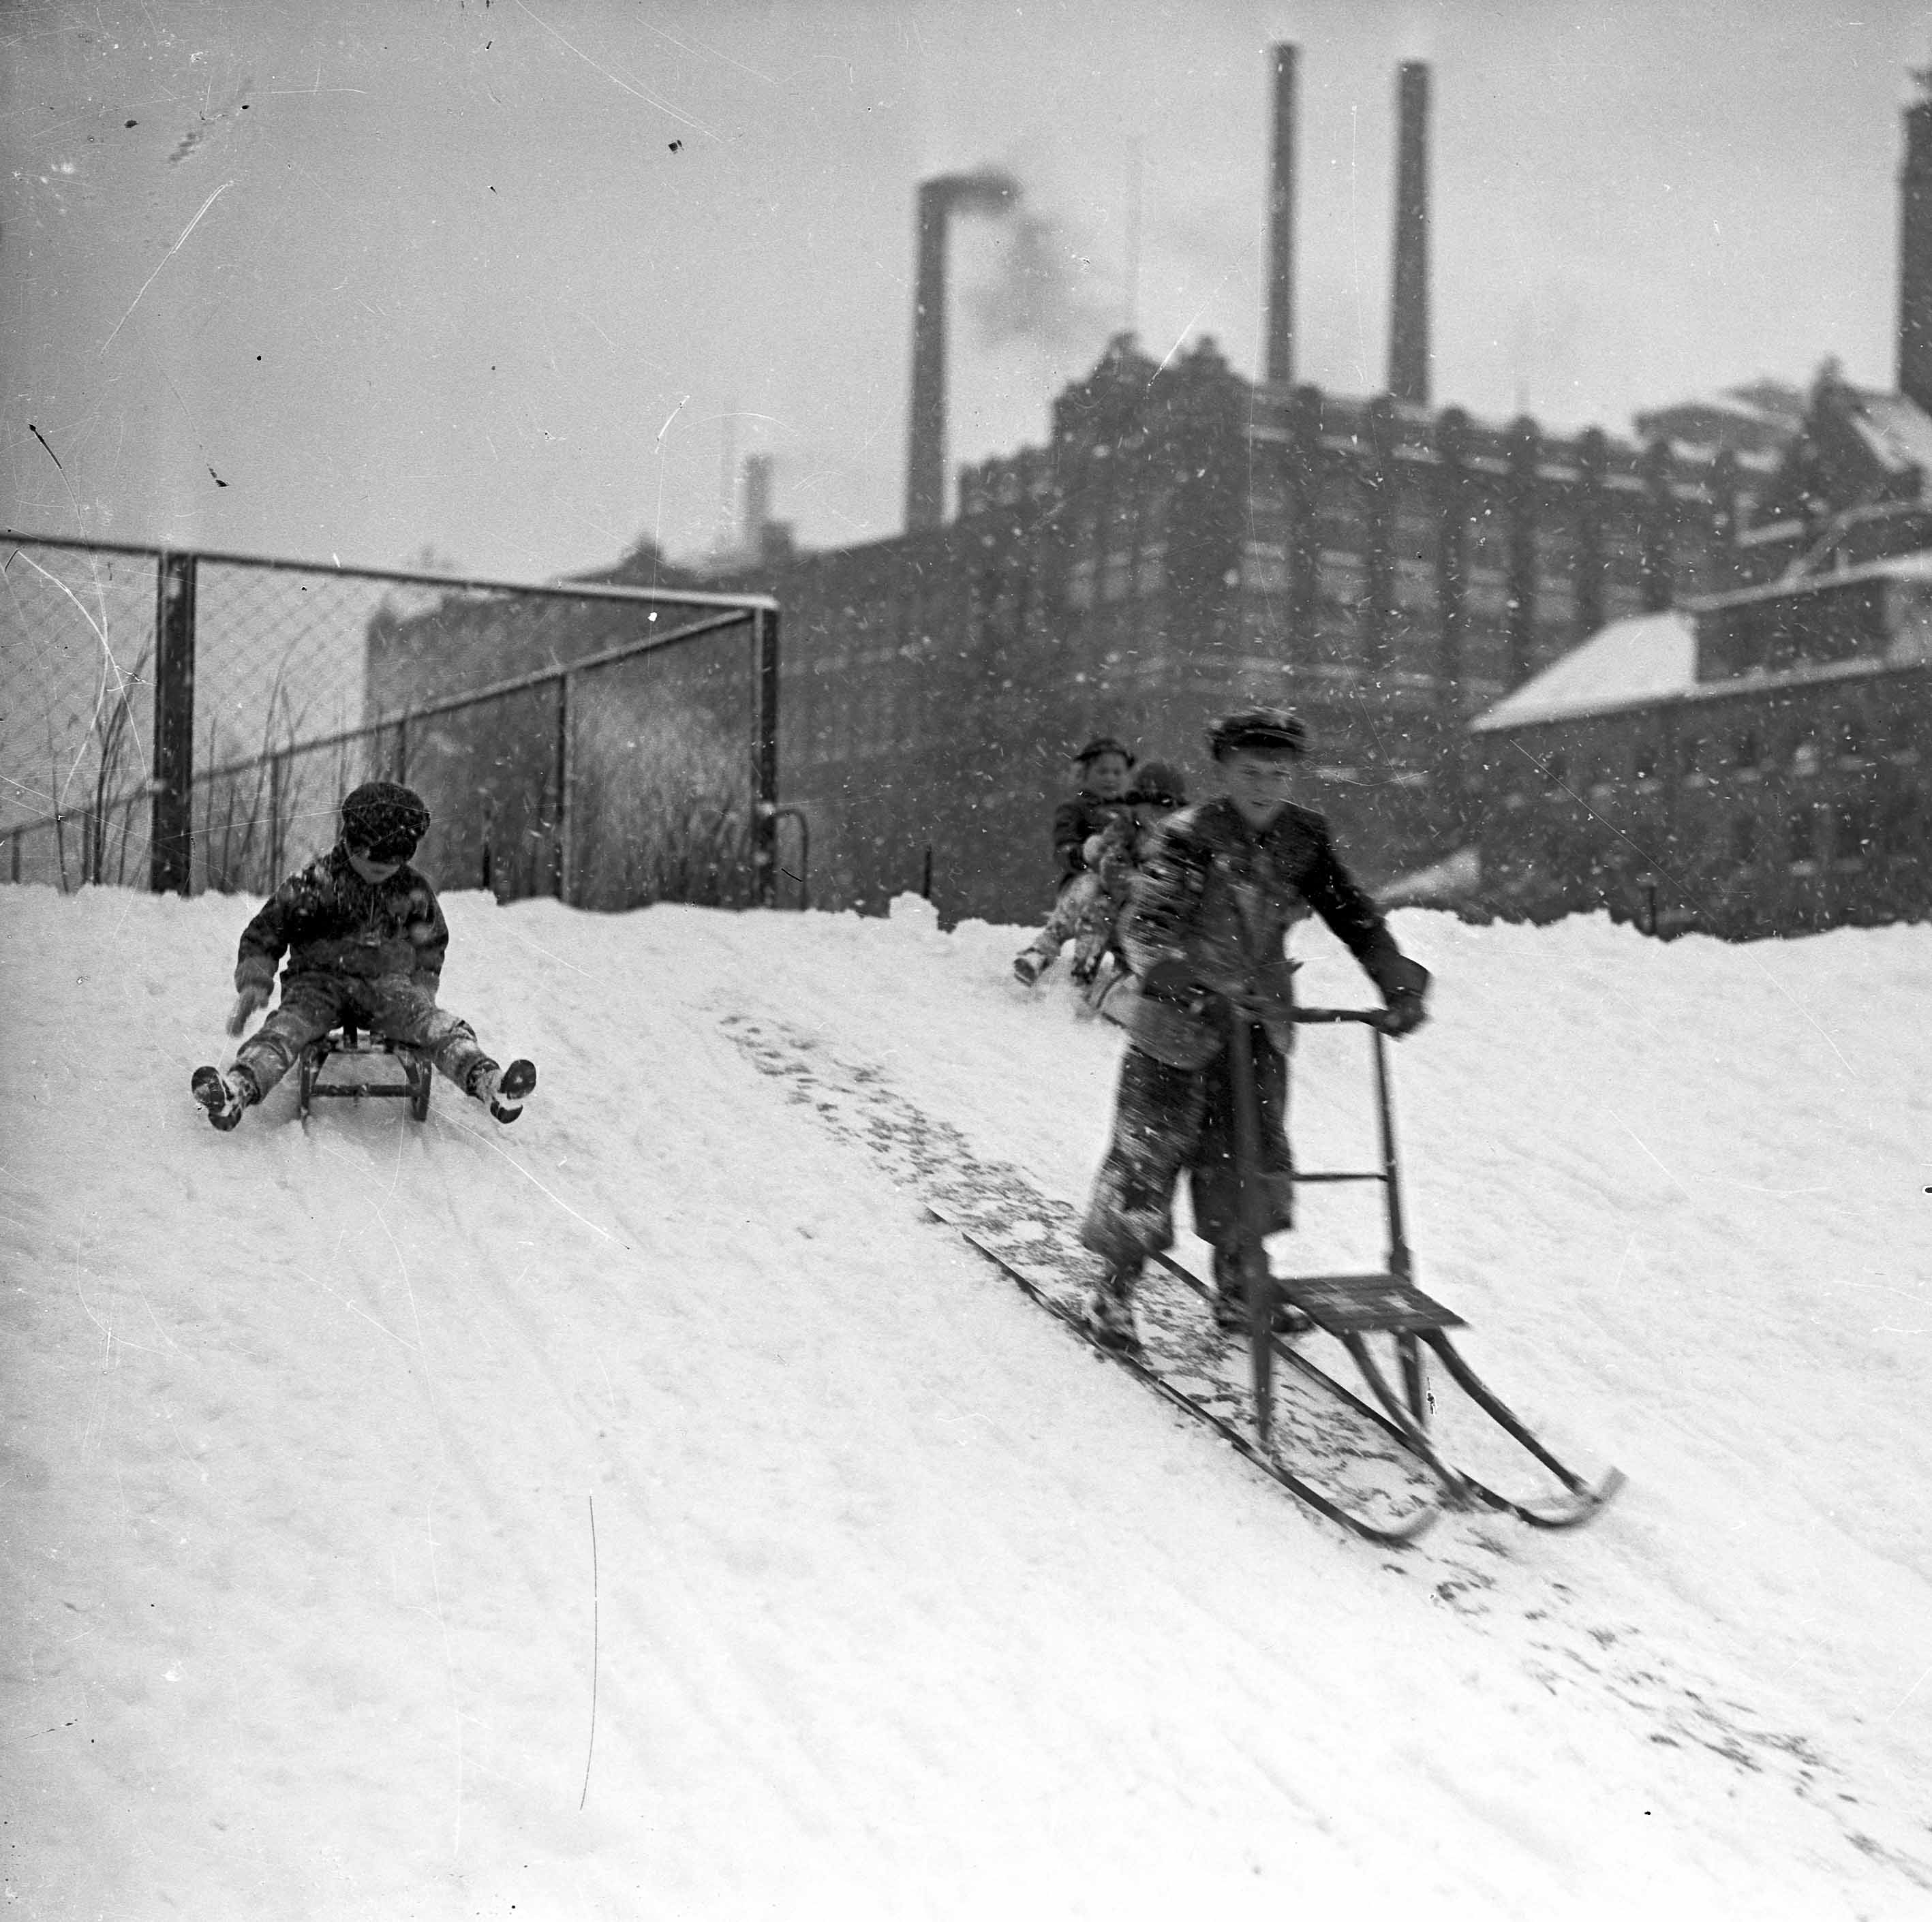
{"points": [[1168, 1120], [391, 1004]]}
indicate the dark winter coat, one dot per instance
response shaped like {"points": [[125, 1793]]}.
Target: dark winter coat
{"points": [[329, 921], [1074, 820], [1219, 898]]}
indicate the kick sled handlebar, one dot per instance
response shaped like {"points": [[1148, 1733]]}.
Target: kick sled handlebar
{"points": [[1373, 1018]]}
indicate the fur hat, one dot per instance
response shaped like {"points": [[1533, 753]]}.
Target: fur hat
{"points": [[1259, 727], [384, 820], [1105, 744]]}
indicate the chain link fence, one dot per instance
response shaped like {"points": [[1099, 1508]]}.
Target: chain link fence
{"points": [[76, 712], [192, 721]]}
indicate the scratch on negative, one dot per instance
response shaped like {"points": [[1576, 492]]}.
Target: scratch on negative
{"points": [[479, 1135], [623, 85], [165, 259], [1641, 1142]]}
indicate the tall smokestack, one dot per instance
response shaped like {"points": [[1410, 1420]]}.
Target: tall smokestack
{"points": [[758, 502], [1408, 318], [1280, 363], [1915, 249], [939, 200]]}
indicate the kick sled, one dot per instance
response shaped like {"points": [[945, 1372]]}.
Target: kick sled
{"points": [[1384, 1306], [346, 1044]]}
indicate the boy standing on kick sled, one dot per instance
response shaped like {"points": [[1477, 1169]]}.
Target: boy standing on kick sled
{"points": [[1204, 934], [365, 941], [1079, 825]]}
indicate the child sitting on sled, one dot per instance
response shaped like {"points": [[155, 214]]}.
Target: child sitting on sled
{"points": [[1079, 826], [365, 941], [1158, 791]]}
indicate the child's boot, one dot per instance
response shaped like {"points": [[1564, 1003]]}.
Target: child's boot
{"points": [[1109, 1309], [505, 1090], [225, 1099]]}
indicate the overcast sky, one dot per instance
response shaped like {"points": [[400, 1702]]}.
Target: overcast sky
{"points": [[513, 279]]}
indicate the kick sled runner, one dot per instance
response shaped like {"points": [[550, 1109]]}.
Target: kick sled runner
{"points": [[1360, 1446], [1385, 1304]]}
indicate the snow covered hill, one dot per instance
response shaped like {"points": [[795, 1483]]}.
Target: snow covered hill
{"points": [[647, 1511]]}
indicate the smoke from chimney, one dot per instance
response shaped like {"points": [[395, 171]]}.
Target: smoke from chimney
{"points": [[1279, 366], [1408, 318], [988, 192]]}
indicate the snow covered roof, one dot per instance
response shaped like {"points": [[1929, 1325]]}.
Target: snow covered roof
{"points": [[1896, 430], [1647, 657]]}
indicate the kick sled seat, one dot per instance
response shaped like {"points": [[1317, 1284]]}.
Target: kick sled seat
{"points": [[361, 1050]]}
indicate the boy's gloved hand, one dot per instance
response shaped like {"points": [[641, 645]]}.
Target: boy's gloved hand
{"points": [[1405, 1013], [1404, 985], [250, 1000]]}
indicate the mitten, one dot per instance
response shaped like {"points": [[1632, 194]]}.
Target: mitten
{"points": [[249, 1001], [1405, 1013]]}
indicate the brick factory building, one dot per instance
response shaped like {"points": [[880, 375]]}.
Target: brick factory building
{"points": [[1189, 539], [1748, 764]]}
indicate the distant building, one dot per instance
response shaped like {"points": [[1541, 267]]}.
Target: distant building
{"points": [[1749, 763], [1756, 422], [1189, 539]]}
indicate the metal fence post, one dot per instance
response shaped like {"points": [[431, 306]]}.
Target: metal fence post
{"points": [[278, 784], [765, 760], [563, 774], [171, 837]]}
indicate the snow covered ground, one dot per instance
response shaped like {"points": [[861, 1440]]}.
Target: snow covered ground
{"points": [[349, 1474]]}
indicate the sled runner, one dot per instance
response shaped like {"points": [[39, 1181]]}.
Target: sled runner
{"points": [[1353, 1308], [346, 1041]]}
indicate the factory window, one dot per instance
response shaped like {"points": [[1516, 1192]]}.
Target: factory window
{"points": [[1800, 840], [1747, 750], [1643, 761], [1853, 739], [1553, 769], [1343, 580], [1080, 583], [1901, 834], [1117, 583], [1264, 567], [1852, 833], [1153, 560], [1414, 584], [1804, 758], [1744, 840], [1486, 593]]}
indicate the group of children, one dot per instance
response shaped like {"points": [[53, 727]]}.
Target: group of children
{"points": [[1199, 923], [1186, 909], [1099, 838]]}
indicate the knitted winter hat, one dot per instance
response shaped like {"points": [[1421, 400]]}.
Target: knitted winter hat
{"points": [[384, 821], [1105, 744], [1160, 785]]}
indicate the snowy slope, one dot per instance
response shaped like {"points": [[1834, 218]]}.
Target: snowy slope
{"points": [[346, 1470]]}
